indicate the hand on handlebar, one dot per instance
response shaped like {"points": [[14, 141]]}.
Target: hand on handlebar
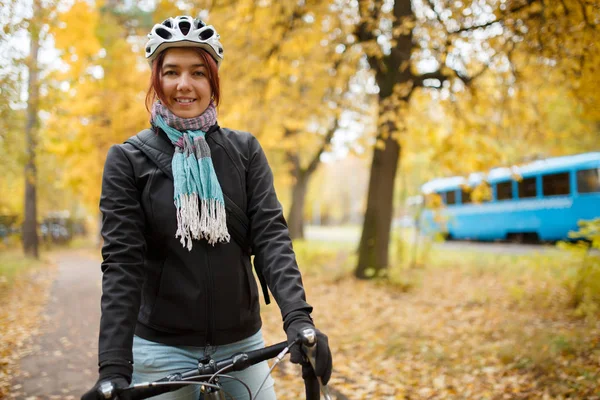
{"points": [[103, 390], [115, 373], [294, 324]]}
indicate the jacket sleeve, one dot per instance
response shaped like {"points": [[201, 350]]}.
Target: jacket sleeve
{"points": [[123, 255], [270, 237]]}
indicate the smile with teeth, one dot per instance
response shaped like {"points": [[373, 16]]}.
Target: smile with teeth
{"points": [[185, 101]]}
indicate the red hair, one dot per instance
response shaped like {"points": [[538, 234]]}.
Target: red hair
{"points": [[155, 90]]}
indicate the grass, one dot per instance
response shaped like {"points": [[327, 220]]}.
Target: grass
{"points": [[332, 259], [13, 263]]}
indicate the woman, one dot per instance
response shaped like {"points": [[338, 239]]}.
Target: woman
{"points": [[176, 287]]}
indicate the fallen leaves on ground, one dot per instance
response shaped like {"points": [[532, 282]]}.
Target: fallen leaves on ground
{"points": [[20, 317], [455, 336]]}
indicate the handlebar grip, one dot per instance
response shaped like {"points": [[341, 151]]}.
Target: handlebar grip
{"points": [[137, 393]]}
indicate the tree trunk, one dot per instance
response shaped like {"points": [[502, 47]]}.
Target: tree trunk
{"points": [[296, 216], [30, 236], [396, 83], [302, 176], [374, 241]]}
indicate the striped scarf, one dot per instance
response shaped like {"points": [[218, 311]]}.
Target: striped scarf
{"points": [[198, 195]]}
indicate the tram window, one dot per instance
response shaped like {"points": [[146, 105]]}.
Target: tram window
{"points": [[527, 188], [504, 190], [451, 197], [556, 184], [588, 180], [466, 197]]}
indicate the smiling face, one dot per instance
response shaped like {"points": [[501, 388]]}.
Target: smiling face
{"points": [[184, 80]]}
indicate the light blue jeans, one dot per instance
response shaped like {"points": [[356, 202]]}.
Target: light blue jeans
{"points": [[153, 361]]}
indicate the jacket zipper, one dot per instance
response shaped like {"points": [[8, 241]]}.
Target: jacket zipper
{"points": [[209, 301]]}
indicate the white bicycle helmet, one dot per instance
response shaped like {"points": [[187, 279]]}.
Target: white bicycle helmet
{"points": [[183, 31]]}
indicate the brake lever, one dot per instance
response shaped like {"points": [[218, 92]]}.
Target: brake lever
{"points": [[309, 347]]}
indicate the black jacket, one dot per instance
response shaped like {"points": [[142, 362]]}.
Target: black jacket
{"points": [[154, 286]]}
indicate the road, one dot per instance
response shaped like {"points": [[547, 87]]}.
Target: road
{"points": [[351, 235]]}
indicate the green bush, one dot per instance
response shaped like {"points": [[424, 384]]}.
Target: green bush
{"points": [[583, 283]]}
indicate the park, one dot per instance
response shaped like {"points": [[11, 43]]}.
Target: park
{"points": [[436, 166]]}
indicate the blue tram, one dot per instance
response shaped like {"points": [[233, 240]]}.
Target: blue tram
{"points": [[542, 200]]}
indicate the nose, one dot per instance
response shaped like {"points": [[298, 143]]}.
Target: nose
{"points": [[184, 82]]}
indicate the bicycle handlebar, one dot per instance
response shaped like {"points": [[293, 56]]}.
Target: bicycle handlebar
{"points": [[207, 371], [237, 362]]}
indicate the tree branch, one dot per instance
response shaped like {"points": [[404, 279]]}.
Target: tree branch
{"points": [[292, 156], [513, 10], [297, 14], [420, 79], [473, 27], [312, 166], [364, 30]]}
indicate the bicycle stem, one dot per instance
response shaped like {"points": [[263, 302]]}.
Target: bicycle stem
{"points": [[309, 346]]}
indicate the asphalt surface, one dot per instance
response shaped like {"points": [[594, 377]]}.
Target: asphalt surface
{"points": [[498, 248], [351, 236], [62, 362]]}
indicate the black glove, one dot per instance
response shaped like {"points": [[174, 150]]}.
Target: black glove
{"points": [[118, 373], [294, 323]]}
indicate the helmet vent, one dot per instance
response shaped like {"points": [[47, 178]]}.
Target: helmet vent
{"points": [[206, 34], [184, 27], [163, 33], [199, 23], [220, 50], [167, 23]]}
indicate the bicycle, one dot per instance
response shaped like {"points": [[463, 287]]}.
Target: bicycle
{"points": [[209, 372]]}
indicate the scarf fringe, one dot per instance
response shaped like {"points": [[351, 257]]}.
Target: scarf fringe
{"points": [[209, 222]]}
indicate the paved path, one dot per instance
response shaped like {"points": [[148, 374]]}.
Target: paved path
{"points": [[63, 358], [351, 236]]}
